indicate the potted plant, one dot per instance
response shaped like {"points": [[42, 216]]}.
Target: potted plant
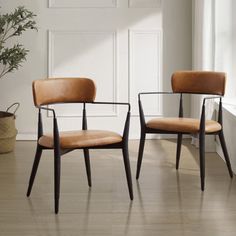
{"points": [[11, 58]]}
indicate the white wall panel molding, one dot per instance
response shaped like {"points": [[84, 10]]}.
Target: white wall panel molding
{"points": [[88, 54], [82, 3], [145, 3], [145, 69]]}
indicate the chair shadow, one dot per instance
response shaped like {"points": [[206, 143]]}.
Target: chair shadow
{"points": [[127, 225]]}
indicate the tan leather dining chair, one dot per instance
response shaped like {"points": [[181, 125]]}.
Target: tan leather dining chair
{"points": [[191, 82], [74, 90]]}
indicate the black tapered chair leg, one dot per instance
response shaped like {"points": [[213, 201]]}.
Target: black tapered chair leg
{"points": [[178, 152], [128, 171], [226, 155], [57, 174], [202, 159], [34, 169], [140, 153], [87, 165]]}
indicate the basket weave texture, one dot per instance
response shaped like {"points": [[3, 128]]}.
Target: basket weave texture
{"points": [[7, 132]]}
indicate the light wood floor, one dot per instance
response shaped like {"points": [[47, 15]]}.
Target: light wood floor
{"points": [[166, 202]]}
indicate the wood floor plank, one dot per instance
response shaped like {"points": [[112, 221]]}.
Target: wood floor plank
{"points": [[166, 202]]}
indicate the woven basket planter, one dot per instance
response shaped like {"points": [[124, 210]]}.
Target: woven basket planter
{"points": [[8, 130]]}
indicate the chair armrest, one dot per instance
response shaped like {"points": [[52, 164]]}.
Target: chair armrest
{"points": [[56, 137], [126, 127], [127, 121], [211, 98], [141, 112], [151, 93], [202, 119]]}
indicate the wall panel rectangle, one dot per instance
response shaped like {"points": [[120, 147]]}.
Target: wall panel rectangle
{"points": [[88, 55]]}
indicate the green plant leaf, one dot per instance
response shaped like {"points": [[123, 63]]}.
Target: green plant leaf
{"points": [[13, 25]]}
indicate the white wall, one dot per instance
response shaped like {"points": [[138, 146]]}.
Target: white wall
{"points": [[177, 47], [174, 20]]}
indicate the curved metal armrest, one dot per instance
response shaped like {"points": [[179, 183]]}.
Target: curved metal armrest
{"points": [[56, 133], [211, 98], [151, 93], [127, 121], [202, 123], [55, 125], [141, 112]]}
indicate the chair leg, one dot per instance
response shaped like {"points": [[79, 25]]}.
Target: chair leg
{"points": [[128, 171], [34, 169], [57, 173], [202, 159], [140, 153], [87, 165], [178, 152], [226, 155]]}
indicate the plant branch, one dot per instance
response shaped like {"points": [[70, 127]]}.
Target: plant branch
{"points": [[13, 25]]}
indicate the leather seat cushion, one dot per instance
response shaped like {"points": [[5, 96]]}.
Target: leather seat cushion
{"points": [[185, 125], [82, 139]]}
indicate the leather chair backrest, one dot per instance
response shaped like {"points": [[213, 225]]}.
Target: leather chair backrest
{"points": [[63, 90], [199, 82]]}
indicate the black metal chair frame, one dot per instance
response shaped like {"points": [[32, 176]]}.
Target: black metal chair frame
{"points": [[145, 130], [58, 151]]}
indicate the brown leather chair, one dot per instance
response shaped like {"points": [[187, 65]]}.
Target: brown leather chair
{"points": [[74, 90], [191, 82]]}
